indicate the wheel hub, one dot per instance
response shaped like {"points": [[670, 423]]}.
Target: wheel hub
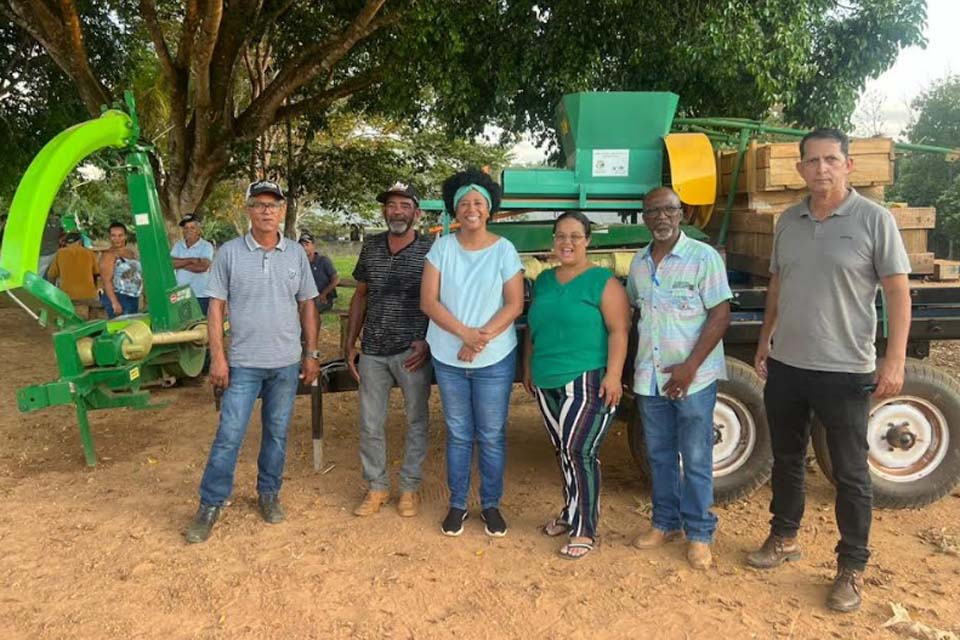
{"points": [[734, 435], [908, 438]]}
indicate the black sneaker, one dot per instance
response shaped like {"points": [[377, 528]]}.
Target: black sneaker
{"points": [[269, 506], [453, 523], [199, 529], [496, 525]]}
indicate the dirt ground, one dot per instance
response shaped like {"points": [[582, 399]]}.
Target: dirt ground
{"points": [[99, 553]]}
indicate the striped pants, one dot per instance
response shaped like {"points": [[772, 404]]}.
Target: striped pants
{"points": [[577, 420]]}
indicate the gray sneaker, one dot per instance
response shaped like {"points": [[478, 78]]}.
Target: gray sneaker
{"points": [[199, 529], [270, 509]]}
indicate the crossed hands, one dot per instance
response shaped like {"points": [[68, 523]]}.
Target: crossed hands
{"points": [[474, 341]]}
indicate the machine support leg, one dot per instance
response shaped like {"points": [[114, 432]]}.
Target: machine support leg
{"points": [[316, 423], [86, 438]]}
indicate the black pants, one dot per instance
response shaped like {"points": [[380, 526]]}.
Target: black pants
{"points": [[842, 404]]}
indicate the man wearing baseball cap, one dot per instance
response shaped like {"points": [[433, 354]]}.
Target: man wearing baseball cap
{"points": [[192, 257], [386, 305], [266, 281], [324, 273]]}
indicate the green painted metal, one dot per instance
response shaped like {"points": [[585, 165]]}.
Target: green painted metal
{"points": [[40, 184], [535, 237], [113, 381], [613, 149]]}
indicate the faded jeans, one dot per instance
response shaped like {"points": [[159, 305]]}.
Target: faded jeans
{"points": [[378, 374], [681, 428], [278, 388], [475, 405]]}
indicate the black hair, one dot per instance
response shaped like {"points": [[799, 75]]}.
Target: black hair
{"points": [[471, 176], [576, 215], [117, 225], [828, 134]]}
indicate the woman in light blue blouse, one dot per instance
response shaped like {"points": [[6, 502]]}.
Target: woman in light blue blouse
{"points": [[472, 292]]}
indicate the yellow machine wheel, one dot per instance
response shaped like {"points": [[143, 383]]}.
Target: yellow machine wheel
{"points": [[693, 173]]}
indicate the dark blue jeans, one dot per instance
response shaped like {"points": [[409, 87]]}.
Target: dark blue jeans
{"points": [[278, 388], [675, 429], [475, 407], [128, 304]]}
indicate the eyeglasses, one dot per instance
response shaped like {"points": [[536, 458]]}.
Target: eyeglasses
{"points": [[574, 238], [666, 212], [830, 161], [268, 206]]}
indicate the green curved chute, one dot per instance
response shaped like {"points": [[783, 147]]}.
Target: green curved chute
{"points": [[31, 204]]}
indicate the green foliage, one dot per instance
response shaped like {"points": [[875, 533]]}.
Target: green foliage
{"points": [[929, 180]]}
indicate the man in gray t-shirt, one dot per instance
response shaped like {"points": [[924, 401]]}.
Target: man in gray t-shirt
{"points": [[831, 254], [266, 281]]}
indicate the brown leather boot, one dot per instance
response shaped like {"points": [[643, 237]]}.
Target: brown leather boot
{"points": [[775, 551], [656, 538], [407, 504], [699, 556], [846, 592], [372, 503]]}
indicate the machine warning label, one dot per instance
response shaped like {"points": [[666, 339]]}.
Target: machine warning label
{"points": [[611, 163], [178, 296], [134, 373], [141, 219]]}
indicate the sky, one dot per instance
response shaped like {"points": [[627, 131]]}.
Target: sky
{"points": [[914, 70]]}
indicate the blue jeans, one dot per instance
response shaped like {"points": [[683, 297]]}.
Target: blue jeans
{"points": [[675, 429], [278, 389], [128, 304], [475, 407]]}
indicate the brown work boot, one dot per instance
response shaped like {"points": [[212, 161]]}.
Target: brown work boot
{"points": [[775, 551], [655, 538], [699, 556], [372, 503], [408, 504], [845, 594]]}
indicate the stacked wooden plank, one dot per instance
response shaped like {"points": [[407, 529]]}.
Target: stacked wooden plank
{"points": [[769, 184]]}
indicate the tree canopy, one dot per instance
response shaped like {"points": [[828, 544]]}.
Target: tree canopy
{"points": [[226, 72], [930, 180]]}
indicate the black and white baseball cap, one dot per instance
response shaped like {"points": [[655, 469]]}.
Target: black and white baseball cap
{"points": [[265, 186]]}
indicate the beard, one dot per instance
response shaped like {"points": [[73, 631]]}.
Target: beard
{"points": [[662, 234], [399, 227]]}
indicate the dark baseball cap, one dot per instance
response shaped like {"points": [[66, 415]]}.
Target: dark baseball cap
{"points": [[306, 236], [189, 217], [265, 186], [400, 188], [73, 236]]}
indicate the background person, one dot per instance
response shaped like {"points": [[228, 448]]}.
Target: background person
{"points": [[192, 257], [120, 274], [472, 292], [324, 273], [76, 268], [577, 329]]}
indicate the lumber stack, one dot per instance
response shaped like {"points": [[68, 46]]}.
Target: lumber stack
{"points": [[769, 184]]}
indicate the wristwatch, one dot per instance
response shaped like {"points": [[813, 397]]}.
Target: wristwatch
{"points": [[312, 354]]}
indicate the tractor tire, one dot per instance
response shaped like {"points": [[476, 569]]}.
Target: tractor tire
{"points": [[742, 459], [923, 463]]}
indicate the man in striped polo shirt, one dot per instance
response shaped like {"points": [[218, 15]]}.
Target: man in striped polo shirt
{"points": [[386, 305], [267, 283], [679, 286]]}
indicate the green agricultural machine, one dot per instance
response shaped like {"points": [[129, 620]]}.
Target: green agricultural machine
{"points": [[618, 146], [103, 364]]}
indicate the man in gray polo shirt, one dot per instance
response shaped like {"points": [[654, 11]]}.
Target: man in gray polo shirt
{"points": [[831, 253], [266, 281]]}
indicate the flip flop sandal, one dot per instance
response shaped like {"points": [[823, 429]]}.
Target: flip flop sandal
{"points": [[564, 551], [555, 528]]}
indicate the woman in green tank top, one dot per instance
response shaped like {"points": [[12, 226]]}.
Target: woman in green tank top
{"points": [[576, 344]]}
